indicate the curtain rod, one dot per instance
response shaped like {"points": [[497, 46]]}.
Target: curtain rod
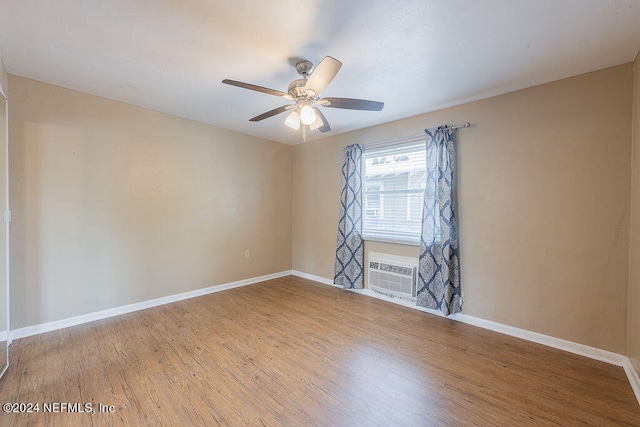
{"points": [[410, 138]]}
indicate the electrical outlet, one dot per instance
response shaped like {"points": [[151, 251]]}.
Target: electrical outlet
{"points": [[246, 253]]}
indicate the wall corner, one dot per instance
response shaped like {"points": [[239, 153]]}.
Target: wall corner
{"points": [[4, 81]]}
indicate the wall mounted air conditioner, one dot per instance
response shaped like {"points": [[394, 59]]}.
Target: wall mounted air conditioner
{"points": [[392, 275]]}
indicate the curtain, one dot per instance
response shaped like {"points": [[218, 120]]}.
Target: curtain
{"points": [[350, 246], [438, 266]]}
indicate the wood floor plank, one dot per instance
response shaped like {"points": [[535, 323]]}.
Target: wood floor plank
{"points": [[291, 352]]}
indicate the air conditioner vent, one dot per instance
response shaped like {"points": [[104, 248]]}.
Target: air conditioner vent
{"points": [[405, 271]]}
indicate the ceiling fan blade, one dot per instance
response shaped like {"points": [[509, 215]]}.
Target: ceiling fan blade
{"points": [[351, 104], [321, 122], [257, 88], [323, 74], [272, 113]]}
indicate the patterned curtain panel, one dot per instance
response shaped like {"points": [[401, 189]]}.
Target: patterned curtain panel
{"points": [[438, 267], [350, 248]]}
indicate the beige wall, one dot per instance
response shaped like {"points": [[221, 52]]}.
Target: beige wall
{"points": [[634, 257], [544, 184], [114, 204]]}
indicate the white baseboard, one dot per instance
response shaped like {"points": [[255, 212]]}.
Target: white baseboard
{"points": [[632, 374], [98, 315], [315, 278], [572, 347]]}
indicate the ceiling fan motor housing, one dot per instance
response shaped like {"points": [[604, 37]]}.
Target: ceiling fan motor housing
{"points": [[297, 89]]}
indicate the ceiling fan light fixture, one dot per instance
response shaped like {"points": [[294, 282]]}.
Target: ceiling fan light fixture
{"points": [[316, 123], [293, 120], [307, 115]]}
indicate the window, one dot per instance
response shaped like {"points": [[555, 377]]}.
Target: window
{"points": [[394, 181]]}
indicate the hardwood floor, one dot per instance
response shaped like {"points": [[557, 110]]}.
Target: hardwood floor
{"points": [[293, 352]]}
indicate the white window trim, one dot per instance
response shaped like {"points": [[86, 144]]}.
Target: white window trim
{"points": [[395, 240]]}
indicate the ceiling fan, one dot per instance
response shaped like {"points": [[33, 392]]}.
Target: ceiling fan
{"points": [[305, 93]]}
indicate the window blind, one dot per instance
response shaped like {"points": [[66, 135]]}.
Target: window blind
{"points": [[393, 191]]}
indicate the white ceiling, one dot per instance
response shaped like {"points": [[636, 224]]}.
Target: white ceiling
{"points": [[415, 56]]}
